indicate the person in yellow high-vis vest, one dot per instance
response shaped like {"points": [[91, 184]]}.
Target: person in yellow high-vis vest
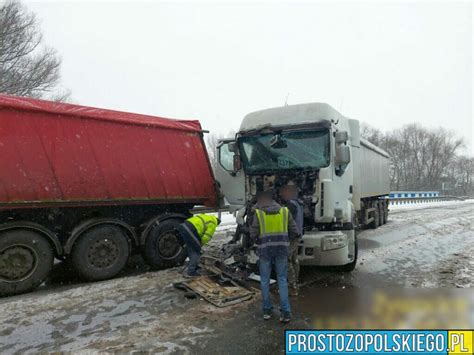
{"points": [[271, 229], [196, 232]]}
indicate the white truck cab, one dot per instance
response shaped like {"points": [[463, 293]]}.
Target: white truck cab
{"points": [[343, 181]]}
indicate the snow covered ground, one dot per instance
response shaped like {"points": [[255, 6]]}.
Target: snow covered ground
{"points": [[421, 204], [420, 248], [228, 219], [430, 246]]}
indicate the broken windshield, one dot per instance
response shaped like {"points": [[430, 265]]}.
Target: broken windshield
{"points": [[285, 150]]}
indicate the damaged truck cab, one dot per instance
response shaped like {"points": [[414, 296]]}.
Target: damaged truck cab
{"points": [[343, 181]]}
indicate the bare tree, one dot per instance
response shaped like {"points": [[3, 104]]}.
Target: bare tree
{"points": [[421, 158], [461, 175], [373, 135], [211, 145], [27, 67]]}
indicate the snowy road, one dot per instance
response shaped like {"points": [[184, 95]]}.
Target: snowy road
{"points": [[429, 247], [419, 251], [420, 246]]}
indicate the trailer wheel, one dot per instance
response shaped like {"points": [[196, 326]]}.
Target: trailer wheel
{"points": [[381, 214], [100, 252], [26, 258], [163, 246], [385, 211], [376, 222]]}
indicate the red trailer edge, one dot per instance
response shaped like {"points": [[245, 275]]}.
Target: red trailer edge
{"points": [[94, 186]]}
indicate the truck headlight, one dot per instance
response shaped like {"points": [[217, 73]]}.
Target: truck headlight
{"points": [[334, 242]]}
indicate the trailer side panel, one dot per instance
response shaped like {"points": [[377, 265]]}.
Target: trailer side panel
{"points": [[371, 171], [59, 153]]}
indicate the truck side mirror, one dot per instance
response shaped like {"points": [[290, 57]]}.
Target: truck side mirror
{"points": [[342, 158], [237, 163], [343, 155], [228, 157], [233, 147], [341, 137]]}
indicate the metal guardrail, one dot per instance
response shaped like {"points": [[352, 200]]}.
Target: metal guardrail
{"points": [[393, 201], [415, 200]]}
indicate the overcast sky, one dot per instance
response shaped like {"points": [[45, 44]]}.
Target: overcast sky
{"points": [[386, 64]]}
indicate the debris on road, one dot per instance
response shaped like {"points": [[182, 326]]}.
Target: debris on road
{"points": [[221, 292], [256, 277], [144, 312], [223, 282]]}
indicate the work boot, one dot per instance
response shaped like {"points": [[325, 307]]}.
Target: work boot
{"points": [[267, 314], [285, 317]]}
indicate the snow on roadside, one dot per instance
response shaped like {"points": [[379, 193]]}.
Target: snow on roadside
{"points": [[420, 205], [228, 219], [227, 226]]}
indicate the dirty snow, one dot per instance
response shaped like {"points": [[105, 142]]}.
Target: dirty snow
{"points": [[428, 247], [409, 205]]}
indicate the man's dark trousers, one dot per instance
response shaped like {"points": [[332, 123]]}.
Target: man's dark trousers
{"points": [[190, 237]]}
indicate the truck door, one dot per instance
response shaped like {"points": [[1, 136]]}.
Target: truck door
{"points": [[229, 175]]}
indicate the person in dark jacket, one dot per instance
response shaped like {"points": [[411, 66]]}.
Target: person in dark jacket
{"points": [[289, 195], [196, 232], [272, 228]]}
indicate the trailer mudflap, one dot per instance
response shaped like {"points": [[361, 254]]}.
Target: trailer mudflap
{"points": [[219, 292]]}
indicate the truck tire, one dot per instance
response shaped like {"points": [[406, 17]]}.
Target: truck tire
{"points": [[26, 258], [376, 222], [381, 214], [163, 247], [386, 211], [100, 252]]}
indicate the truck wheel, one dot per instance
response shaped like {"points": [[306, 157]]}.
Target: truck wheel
{"points": [[100, 252], [375, 223], [385, 211], [381, 214], [163, 246], [26, 258]]}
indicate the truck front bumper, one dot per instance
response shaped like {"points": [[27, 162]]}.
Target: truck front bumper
{"points": [[313, 250]]}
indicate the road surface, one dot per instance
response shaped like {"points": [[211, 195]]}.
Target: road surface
{"points": [[415, 271]]}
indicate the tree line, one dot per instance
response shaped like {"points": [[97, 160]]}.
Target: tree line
{"points": [[424, 159], [28, 67], [421, 158]]}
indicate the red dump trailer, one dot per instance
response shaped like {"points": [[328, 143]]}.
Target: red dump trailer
{"points": [[93, 186]]}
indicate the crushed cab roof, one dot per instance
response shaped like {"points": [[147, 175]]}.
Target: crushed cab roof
{"points": [[289, 115]]}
